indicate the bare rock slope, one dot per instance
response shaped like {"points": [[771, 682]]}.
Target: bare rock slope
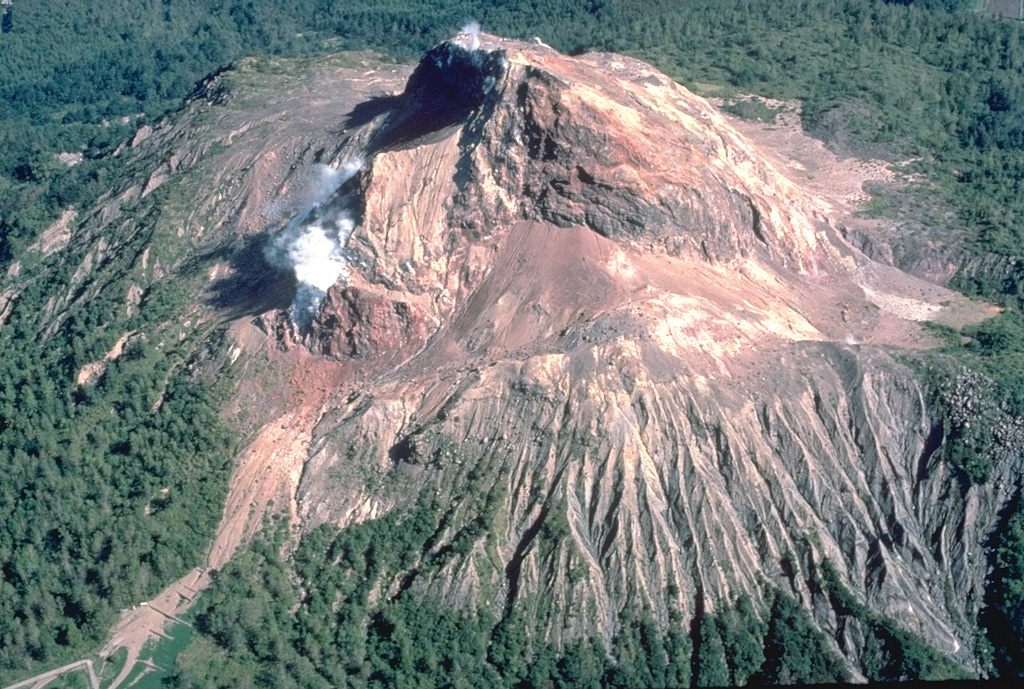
{"points": [[574, 289]]}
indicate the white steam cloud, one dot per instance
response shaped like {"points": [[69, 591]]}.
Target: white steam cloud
{"points": [[469, 36], [312, 244]]}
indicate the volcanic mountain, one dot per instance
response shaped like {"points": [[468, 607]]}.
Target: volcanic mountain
{"points": [[638, 367]]}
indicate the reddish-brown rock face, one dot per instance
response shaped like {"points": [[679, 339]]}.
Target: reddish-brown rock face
{"points": [[483, 140], [603, 146], [356, 324]]}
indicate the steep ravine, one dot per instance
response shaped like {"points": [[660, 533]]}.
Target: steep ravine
{"points": [[705, 484]]}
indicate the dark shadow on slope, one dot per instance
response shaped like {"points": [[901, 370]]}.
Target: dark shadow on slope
{"points": [[1007, 657], [371, 109], [932, 444], [447, 86], [514, 568], [252, 286], [403, 451]]}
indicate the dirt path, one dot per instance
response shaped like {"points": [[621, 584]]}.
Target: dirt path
{"points": [[267, 477], [147, 620], [40, 681]]}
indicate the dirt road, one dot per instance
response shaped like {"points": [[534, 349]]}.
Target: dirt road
{"points": [[267, 477], [40, 681]]}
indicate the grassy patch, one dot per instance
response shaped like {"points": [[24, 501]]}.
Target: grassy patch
{"points": [[109, 669], [754, 109], [77, 679], [164, 653]]}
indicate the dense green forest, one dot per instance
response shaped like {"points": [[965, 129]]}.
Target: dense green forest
{"points": [[87, 530], [112, 489], [320, 620], [315, 622]]}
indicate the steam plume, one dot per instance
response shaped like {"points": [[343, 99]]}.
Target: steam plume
{"points": [[312, 244], [469, 36]]}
